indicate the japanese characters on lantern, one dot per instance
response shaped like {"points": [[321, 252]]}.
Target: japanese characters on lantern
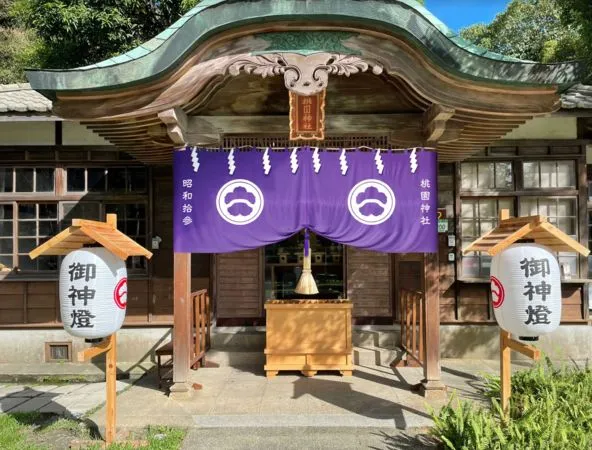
{"points": [[526, 290], [93, 293]]}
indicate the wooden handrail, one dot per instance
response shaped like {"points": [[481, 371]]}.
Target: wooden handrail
{"points": [[411, 309], [202, 327]]}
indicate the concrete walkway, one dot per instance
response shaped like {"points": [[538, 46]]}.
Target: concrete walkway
{"points": [[317, 438], [69, 400], [239, 396]]}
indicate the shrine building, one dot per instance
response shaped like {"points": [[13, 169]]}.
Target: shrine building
{"points": [[261, 75]]}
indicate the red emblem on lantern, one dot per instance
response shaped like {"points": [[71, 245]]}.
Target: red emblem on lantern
{"points": [[120, 293], [498, 294]]}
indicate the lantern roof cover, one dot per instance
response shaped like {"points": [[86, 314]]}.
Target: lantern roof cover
{"points": [[532, 228], [89, 232], [160, 55]]}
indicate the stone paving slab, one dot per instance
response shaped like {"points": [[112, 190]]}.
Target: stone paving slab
{"points": [[397, 421], [75, 399], [298, 438], [8, 403], [243, 397]]}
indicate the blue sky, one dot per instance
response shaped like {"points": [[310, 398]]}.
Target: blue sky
{"points": [[460, 13]]}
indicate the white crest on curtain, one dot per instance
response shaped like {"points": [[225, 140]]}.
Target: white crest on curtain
{"points": [[231, 163], [413, 161], [343, 159], [266, 162], [294, 160], [195, 159], [316, 160], [379, 162]]}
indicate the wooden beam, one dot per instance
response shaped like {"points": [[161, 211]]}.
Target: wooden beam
{"points": [[182, 325], [527, 350], [434, 122], [177, 124], [98, 349], [336, 124]]}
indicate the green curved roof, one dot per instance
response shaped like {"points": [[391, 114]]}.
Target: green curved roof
{"points": [[408, 18]]}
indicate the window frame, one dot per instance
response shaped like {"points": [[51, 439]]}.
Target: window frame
{"points": [[517, 194], [556, 174], [34, 192], [105, 191], [61, 196], [495, 163], [480, 256]]}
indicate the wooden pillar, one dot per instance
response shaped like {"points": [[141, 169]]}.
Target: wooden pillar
{"points": [[182, 324], [432, 385]]}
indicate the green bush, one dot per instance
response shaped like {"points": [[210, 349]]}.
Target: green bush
{"points": [[551, 408]]}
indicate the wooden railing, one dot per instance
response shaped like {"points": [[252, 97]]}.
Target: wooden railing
{"points": [[200, 339], [201, 327], [411, 311]]}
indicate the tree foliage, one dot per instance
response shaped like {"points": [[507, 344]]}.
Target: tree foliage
{"points": [[19, 48], [536, 30], [80, 32], [579, 14]]}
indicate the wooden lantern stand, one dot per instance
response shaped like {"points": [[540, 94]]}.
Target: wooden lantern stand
{"points": [[510, 231], [507, 344], [89, 232]]}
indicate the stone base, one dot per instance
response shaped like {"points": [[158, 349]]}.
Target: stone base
{"points": [[181, 391], [432, 389]]}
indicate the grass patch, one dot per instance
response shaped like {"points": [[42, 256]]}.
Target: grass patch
{"points": [[61, 380], [550, 409], [14, 429], [35, 431]]}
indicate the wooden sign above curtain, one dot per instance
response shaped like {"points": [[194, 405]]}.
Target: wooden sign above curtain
{"points": [[307, 116]]}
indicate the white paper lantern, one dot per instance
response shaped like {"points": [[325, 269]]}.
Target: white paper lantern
{"points": [[526, 290], [93, 293]]}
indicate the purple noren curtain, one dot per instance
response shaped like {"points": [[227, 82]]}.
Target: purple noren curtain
{"points": [[225, 201]]}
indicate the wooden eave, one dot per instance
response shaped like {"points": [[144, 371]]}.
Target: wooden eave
{"points": [[533, 228], [89, 232], [478, 95]]}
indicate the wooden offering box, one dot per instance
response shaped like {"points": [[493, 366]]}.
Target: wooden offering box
{"points": [[308, 335]]}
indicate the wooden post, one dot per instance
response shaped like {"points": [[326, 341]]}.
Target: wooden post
{"points": [[112, 220], [111, 379], [507, 344], [432, 385], [182, 324], [505, 371], [108, 346]]}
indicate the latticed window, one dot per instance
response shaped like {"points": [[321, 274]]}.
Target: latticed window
{"points": [[22, 180], [114, 179], [561, 212], [37, 203], [37, 222], [549, 174], [478, 216], [487, 176], [490, 186]]}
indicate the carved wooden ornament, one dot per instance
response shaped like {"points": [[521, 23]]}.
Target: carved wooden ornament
{"points": [[303, 74], [307, 116]]}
